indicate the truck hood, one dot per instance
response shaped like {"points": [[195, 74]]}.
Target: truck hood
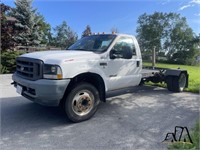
{"points": [[60, 56]]}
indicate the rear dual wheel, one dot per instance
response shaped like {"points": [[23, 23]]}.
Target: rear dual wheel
{"points": [[176, 83]]}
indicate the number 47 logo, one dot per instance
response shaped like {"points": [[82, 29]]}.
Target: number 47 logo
{"points": [[177, 136]]}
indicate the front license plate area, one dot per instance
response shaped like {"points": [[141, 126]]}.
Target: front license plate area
{"points": [[19, 89]]}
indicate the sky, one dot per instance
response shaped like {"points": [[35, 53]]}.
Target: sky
{"points": [[103, 15]]}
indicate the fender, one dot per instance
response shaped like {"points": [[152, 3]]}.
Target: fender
{"points": [[82, 68], [176, 72]]}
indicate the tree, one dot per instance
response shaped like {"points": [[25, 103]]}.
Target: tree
{"points": [[178, 34], [167, 32], [87, 31], [65, 36], [190, 55], [150, 31], [45, 28], [196, 42], [8, 29], [27, 22]]}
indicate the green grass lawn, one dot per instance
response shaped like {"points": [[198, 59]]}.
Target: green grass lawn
{"points": [[193, 71]]}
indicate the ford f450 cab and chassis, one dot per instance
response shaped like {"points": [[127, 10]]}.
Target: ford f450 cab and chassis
{"points": [[79, 78]]}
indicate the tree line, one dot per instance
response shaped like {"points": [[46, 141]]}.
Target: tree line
{"points": [[170, 35], [167, 33]]}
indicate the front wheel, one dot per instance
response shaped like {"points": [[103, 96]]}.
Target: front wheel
{"points": [[82, 102]]}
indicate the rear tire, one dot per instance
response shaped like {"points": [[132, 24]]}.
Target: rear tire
{"points": [[82, 102], [176, 83], [170, 83]]}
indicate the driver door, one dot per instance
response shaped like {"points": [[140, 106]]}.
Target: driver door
{"points": [[123, 71]]}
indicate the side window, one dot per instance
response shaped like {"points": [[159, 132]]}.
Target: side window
{"points": [[124, 43]]}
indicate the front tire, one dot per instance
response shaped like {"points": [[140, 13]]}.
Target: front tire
{"points": [[82, 102]]}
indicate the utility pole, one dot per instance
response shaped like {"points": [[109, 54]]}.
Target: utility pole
{"points": [[153, 57]]}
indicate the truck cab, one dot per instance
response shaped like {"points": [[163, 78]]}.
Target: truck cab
{"points": [[79, 77], [116, 58]]}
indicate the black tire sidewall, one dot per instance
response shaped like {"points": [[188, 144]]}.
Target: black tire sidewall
{"points": [[170, 83], [68, 102], [173, 83]]}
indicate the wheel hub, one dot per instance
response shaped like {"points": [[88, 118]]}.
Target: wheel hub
{"points": [[83, 103]]}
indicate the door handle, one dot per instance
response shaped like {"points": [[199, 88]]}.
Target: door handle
{"points": [[138, 63], [103, 64]]}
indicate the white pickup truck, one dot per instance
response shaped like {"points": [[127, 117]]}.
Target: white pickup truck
{"points": [[79, 77]]}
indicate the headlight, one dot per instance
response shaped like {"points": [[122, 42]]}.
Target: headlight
{"points": [[52, 72]]}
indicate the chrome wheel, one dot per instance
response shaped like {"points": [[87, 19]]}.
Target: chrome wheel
{"points": [[83, 102], [182, 81]]}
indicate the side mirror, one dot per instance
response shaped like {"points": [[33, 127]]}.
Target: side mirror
{"points": [[113, 54], [127, 53]]}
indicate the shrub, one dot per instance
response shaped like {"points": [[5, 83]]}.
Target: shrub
{"points": [[8, 61], [3, 69]]}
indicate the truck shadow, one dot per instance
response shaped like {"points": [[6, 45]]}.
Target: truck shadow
{"points": [[18, 111], [136, 89]]}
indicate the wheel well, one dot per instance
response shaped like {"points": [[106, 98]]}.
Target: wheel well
{"points": [[92, 78]]}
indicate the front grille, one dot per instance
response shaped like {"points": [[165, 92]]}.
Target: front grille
{"points": [[29, 68]]}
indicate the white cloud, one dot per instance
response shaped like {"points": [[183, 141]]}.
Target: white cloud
{"points": [[197, 14], [195, 1], [190, 4], [185, 6], [165, 2]]}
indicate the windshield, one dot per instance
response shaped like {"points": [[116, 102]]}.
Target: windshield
{"points": [[94, 43]]}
